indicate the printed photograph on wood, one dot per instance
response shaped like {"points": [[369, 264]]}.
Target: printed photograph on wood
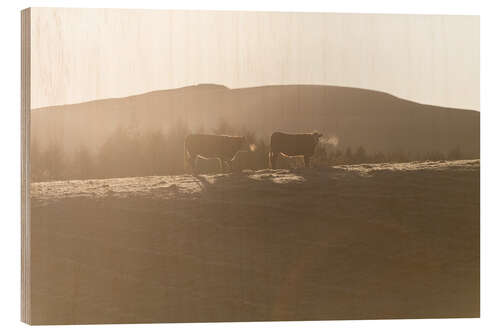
{"points": [[206, 166]]}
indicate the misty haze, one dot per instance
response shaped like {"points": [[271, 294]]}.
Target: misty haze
{"points": [[144, 135], [380, 222], [226, 166]]}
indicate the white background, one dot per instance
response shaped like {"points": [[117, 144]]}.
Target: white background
{"points": [[490, 163]]}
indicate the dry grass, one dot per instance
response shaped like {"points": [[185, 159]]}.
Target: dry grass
{"points": [[346, 242]]}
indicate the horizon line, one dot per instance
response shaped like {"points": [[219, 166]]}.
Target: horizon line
{"points": [[222, 86]]}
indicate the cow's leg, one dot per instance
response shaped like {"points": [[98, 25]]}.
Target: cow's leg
{"points": [[187, 159], [307, 161], [272, 159], [194, 164], [225, 165], [221, 164], [189, 164], [236, 165], [229, 164]]}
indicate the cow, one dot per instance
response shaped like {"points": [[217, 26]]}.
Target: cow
{"points": [[289, 162], [293, 145], [222, 147]]}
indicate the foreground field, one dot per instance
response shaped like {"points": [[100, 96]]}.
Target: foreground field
{"points": [[347, 242]]}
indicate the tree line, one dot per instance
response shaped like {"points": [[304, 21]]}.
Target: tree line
{"points": [[128, 152]]}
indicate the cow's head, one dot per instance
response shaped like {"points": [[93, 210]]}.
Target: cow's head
{"points": [[246, 146], [316, 137]]}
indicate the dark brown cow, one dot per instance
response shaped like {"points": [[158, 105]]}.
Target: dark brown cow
{"points": [[222, 147], [293, 145]]}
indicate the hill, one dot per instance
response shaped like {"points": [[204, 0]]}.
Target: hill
{"points": [[356, 117]]}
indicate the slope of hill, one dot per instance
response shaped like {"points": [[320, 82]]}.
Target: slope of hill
{"points": [[375, 120], [347, 242]]}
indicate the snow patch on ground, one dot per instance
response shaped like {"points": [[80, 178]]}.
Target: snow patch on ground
{"points": [[193, 186]]}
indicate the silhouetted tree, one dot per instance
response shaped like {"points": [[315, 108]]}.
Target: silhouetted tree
{"points": [[53, 163], [200, 129], [398, 157], [434, 156], [83, 164], [337, 157], [378, 158], [320, 155], [36, 162], [155, 150], [118, 156], [455, 154], [348, 158], [360, 155], [223, 128]]}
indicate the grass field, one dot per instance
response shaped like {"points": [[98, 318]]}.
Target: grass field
{"points": [[346, 242]]}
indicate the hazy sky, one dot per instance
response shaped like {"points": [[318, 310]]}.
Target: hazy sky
{"points": [[86, 54]]}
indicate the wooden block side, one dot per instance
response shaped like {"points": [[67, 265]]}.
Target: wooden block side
{"points": [[25, 167]]}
